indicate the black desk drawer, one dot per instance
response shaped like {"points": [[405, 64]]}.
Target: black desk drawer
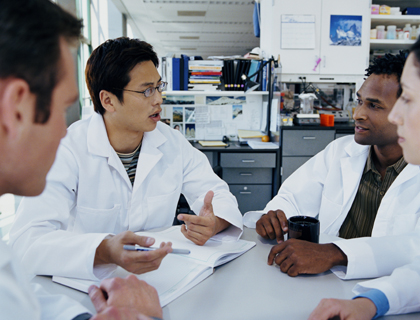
{"points": [[248, 160], [251, 197], [248, 175]]}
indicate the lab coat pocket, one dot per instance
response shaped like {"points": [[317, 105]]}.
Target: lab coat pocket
{"points": [[405, 223], [329, 216], [96, 220], [161, 210]]}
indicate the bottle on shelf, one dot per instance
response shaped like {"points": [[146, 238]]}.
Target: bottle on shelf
{"points": [[351, 106], [413, 33]]}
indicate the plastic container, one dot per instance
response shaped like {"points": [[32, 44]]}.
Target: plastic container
{"points": [[385, 10], [400, 34], [374, 9], [327, 120], [395, 11], [391, 32], [380, 32], [373, 33], [413, 33]]}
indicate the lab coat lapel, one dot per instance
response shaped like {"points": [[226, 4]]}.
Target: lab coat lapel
{"points": [[98, 144], [149, 155], [351, 173], [352, 170]]}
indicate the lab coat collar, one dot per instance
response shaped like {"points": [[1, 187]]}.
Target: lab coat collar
{"points": [[97, 137], [98, 144], [149, 154]]}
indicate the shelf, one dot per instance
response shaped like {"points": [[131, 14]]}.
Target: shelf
{"points": [[214, 93], [399, 21], [391, 44]]}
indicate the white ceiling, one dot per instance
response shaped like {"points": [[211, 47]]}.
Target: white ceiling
{"points": [[225, 29]]}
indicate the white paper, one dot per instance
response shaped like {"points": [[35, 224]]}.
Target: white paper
{"points": [[202, 114], [262, 145], [274, 115], [264, 116], [297, 31]]}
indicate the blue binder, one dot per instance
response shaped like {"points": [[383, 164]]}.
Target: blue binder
{"points": [[176, 74]]}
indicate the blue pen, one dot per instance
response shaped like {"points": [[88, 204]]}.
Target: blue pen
{"points": [[138, 248]]}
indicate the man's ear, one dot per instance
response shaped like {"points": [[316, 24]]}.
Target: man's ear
{"points": [[107, 100], [17, 105]]}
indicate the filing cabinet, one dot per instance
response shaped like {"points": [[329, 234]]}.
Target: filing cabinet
{"points": [[250, 178], [299, 144], [252, 175]]}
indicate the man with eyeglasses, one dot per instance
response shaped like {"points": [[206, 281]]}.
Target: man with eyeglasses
{"points": [[118, 172]]}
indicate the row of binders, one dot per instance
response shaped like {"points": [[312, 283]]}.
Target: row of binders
{"points": [[187, 73]]}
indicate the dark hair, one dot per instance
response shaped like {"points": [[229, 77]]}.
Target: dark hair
{"points": [[109, 66], [415, 49], [30, 32], [389, 64]]}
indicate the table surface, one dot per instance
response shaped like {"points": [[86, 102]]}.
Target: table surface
{"points": [[247, 288]]}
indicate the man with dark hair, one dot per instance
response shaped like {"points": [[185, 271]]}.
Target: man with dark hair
{"points": [[36, 88], [354, 186], [118, 172]]}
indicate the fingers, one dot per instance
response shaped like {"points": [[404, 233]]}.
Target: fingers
{"points": [[275, 250], [98, 298], [272, 225], [199, 238], [207, 208], [326, 309], [129, 237], [144, 261]]}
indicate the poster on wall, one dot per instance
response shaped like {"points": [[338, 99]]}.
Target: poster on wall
{"points": [[345, 30]]}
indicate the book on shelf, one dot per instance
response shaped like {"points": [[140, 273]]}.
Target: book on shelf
{"points": [[203, 87], [177, 273]]}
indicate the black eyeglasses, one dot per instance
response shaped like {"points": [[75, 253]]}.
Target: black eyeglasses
{"points": [[149, 91]]}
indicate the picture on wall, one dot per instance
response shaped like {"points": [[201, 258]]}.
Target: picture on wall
{"points": [[190, 130], [346, 30], [213, 100], [178, 114], [174, 99], [236, 110], [178, 126], [189, 114]]}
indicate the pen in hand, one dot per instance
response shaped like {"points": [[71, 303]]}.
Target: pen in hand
{"points": [[139, 248]]}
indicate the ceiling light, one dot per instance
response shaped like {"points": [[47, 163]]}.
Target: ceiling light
{"points": [[191, 13], [189, 38]]}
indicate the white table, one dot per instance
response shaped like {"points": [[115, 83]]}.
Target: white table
{"points": [[247, 288]]}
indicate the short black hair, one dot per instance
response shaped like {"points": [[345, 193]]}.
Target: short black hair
{"points": [[30, 33], [389, 64], [109, 66], [415, 49]]}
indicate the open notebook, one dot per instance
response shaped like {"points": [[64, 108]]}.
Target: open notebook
{"points": [[177, 273]]}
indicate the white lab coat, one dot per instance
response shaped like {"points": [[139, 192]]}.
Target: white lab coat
{"points": [[326, 185], [402, 288], [18, 300], [89, 196]]}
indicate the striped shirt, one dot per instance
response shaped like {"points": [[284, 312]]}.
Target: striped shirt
{"points": [[360, 219], [129, 160]]}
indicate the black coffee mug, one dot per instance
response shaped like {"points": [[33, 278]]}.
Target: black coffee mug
{"points": [[304, 228]]}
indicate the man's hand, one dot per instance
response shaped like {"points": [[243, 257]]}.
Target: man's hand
{"points": [[302, 257], [128, 298], [111, 251], [357, 309], [273, 225], [201, 228]]}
